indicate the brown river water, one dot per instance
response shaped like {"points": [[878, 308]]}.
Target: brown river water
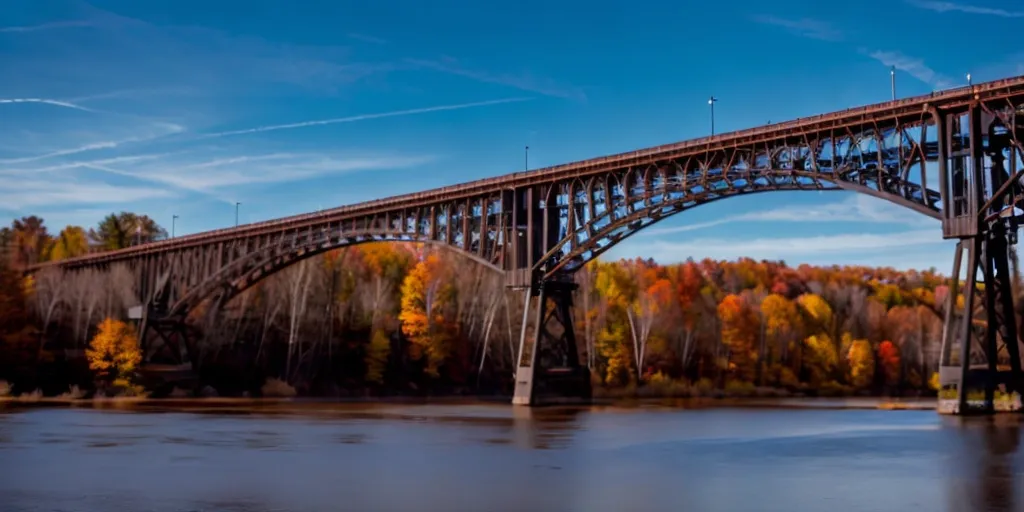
{"points": [[493, 457]]}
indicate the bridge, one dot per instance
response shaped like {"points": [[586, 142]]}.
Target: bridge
{"points": [[951, 155]]}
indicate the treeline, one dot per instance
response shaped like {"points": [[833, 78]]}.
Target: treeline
{"points": [[398, 318]]}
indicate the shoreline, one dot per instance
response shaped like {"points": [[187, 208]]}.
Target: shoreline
{"points": [[312, 404]]}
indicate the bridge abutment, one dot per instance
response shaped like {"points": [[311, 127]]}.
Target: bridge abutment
{"points": [[548, 369]]}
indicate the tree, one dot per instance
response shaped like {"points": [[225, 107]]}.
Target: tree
{"points": [[862, 364], [114, 352], [424, 298], [125, 229], [740, 329], [71, 242], [889, 361], [30, 241]]}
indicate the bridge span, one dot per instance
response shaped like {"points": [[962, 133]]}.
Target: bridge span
{"points": [[953, 155]]}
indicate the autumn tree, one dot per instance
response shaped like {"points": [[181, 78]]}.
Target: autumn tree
{"points": [[71, 242], [424, 297], [889, 362], [114, 352], [862, 364], [740, 329]]}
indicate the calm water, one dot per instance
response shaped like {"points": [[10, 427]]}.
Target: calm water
{"points": [[494, 457]]}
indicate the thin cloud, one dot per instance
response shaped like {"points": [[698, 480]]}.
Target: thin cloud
{"points": [[213, 175], [857, 208], [804, 27], [787, 247], [944, 7], [46, 26], [172, 129], [365, 117], [367, 39], [914, 67], [45, 101], [64, 192], [525, 82]]}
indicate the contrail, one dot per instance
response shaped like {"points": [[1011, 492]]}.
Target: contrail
{"points": [[47, 26], [368, 116], [45, 101]]}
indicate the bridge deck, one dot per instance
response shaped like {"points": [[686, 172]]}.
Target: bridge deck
{"points": [[904, 108]]}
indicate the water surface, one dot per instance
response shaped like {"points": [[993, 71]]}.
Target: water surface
{"points": [[328, 457]]}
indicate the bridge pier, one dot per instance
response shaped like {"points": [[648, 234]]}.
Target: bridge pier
{"points": [[548, 369], [978, 210]]}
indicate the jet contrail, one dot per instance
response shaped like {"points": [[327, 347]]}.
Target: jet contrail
{"points": [[47, 26], [45, 101], [368, 116]]}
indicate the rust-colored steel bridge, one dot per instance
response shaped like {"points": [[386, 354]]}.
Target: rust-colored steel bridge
{"points": [[953, 155]]}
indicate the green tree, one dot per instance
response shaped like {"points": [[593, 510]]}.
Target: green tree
{"points": [[125, 229]]}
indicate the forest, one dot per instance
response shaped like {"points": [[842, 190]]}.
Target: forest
{"points": [[401, 319]]}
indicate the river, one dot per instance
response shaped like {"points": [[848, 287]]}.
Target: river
{"points": [[491, 457]]}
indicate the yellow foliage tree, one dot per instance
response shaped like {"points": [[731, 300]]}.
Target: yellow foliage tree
{"points": [[423, 321], [821, 358], [114, 352], [862, 364]]}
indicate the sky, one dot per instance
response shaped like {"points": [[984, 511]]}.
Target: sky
{"points": [[185, 107]]}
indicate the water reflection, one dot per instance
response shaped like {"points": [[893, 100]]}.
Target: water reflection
{"points": [[984, 473], [545, 428], [368, 457]]}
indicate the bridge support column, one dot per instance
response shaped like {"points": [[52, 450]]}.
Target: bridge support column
{"points": [[985, 329], [548, 369]]}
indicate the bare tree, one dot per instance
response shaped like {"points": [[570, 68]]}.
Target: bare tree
{"points": [[50, 291]]}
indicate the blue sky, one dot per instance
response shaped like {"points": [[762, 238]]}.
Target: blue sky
{"points": [[162, 107]]}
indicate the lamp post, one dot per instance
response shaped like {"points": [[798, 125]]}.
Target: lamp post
{"points": [[236, 213], [526, 159], [711, 101], [174, 219], [892, 79]]}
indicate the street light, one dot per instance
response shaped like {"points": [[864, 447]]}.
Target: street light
{"points": [[174, 218], [236, 213], [892, 78], [526, 159], [711, 101]]}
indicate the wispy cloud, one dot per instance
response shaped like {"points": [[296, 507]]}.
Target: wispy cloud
{"points": [[165, 129], [912, 66], [944, 7], [366, 39], [46, 26], [523, 81], [44, 101], [365, 117], [804, 27], [854, 209], [16, 195], [838, 248]]}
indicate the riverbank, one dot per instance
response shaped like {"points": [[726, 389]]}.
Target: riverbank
{"points": [[301, 405]]}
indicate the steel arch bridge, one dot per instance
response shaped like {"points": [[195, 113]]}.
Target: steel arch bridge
{"points": [[952, 155]]}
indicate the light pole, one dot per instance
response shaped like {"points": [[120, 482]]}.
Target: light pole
{"points": [[711, 101], [892, 78], [526, 159], [174, 219], [236, 213]]}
